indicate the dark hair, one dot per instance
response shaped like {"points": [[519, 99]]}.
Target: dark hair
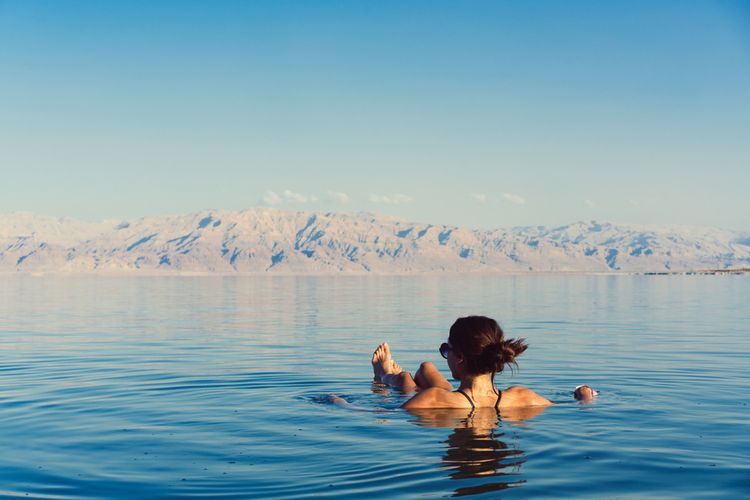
{"points": [[484, 349]]}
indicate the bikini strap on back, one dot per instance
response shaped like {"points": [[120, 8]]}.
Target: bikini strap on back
{"points": [[467, 397]]}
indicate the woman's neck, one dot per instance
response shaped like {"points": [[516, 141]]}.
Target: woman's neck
{"points": [[478, 385]]}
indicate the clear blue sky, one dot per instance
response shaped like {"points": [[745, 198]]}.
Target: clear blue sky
{"points": [[482, 114]]}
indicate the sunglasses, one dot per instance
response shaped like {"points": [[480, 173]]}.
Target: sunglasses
{"points": [[445, 348]]}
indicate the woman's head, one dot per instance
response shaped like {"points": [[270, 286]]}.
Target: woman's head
{"points": [[480, 347]]}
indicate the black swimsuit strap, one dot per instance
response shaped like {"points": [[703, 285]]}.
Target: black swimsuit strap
{"points": [[467, 397], [497, 403]]}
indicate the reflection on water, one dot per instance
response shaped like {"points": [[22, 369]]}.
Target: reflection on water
{"points": [[478, 450], [482, 454]]}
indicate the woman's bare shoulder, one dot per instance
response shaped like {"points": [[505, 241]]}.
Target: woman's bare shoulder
{"points": [[521, 396], [436, 397]]}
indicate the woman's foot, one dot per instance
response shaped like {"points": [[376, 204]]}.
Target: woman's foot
{"points": [[388, 371], [382, 362], [584, 393]]}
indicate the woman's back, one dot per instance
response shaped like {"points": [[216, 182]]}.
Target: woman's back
{"points": [[515, 396]]}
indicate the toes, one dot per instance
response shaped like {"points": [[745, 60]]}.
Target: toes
{"points": [[382, 361], [380, 353]]}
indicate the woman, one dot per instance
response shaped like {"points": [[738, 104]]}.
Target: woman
{"points": [[476, 350]]}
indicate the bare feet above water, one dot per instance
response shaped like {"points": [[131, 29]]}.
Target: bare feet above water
{"points": [[382, 362], [584, 393]]}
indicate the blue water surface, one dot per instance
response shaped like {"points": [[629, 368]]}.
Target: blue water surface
{"points": [[219, 387]]}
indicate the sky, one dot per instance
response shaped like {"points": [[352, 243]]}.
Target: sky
{"points": [[471, 113]]}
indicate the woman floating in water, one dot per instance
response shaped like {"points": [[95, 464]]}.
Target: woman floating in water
{"points": [[476, 350]]}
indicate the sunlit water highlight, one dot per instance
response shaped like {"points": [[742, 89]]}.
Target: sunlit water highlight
{"points": [[218, 387]]}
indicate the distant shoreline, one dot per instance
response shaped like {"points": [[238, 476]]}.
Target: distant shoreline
{"points": [[354, 274], [701, 272]]}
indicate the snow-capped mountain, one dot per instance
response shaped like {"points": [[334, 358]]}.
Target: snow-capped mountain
{"points": [[268, 240]]}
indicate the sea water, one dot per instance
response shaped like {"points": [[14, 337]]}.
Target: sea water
{"points": [[220, 387]]}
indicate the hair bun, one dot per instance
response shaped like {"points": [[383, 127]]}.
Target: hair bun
{"points": [[480, 342], [496, 355], [511, 349], [492, 357]]}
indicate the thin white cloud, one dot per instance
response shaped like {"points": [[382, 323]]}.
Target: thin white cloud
{"points": [[589, 203], [391, 199], [338, 196], [272, 198], [287, 196], [634, 203], [293, 197], [514, 198], [480, 197]]}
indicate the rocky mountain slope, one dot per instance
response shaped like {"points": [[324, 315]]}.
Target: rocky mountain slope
{"points": [[263, 240]]}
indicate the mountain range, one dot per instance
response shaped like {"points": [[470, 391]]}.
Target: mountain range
{"points": [[267, 240]]}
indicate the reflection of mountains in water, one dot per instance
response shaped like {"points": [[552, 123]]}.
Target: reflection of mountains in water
{"points": [[477, 450]]}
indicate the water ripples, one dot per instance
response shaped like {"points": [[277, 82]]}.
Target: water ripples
{"points": [[209, 388]]}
